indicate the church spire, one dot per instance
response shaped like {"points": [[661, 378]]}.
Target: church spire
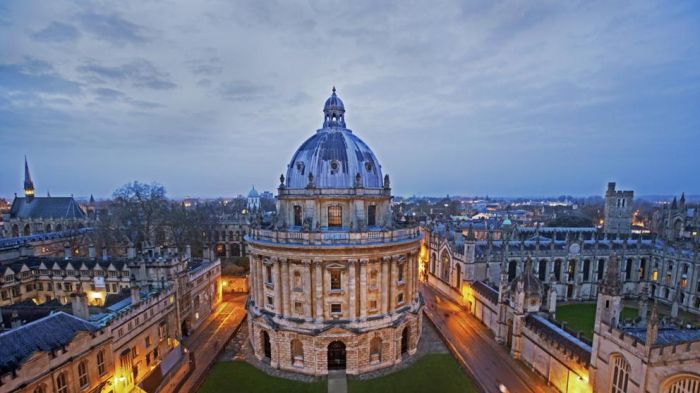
{"points": [[28, 183]]}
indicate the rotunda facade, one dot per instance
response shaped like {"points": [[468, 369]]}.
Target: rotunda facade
{"points": [[334, 278]]}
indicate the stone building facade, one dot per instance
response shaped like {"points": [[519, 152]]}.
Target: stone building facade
{"points": [[333, 278]]}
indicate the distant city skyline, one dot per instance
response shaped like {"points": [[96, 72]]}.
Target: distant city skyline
{"points": [[504, 99]]}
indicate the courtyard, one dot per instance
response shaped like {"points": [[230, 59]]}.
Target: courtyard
{"points": [[432, 372], [580, 317]]}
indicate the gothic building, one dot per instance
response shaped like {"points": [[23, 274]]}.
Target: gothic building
{"points": [[31, 214], [334, 277], [513, 285]]}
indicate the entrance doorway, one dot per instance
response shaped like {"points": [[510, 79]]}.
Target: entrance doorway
{"points": [[267, 348], [404, 340], [336, 355]]}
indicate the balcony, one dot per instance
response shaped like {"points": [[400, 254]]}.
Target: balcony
{"points": [[333, 238]]}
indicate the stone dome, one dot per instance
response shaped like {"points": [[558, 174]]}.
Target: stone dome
{"points": [[334, 156]]}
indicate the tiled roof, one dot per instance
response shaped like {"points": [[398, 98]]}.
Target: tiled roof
{"points": [[46, 207], [46, 334]]}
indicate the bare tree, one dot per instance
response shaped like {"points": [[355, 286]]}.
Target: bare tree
{"points": [[139, 210]]}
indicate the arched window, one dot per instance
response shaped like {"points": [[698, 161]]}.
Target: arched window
{"points": [[101, 362], [445, 266], [620, 374], [297, 353], [61, 383], [458, 276], [27, 230], [375, 350], [40, 389], [682, 384], [512, 270], [83, 379]]}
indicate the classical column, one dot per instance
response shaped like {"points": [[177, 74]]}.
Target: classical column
{"points": [[363, 288], [308, 282], [285, 286], [393, 282], [318, 272], [261, 282], [277, 284], [408, 271], [352, 297], [385, 284]]}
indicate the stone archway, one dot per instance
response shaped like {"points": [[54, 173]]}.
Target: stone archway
{"points": [[404, 340], [267, 346], [336, 355]]}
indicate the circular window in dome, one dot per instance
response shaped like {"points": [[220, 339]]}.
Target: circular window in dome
{"points": [[368, 166], [334, 166], [300, 167]]}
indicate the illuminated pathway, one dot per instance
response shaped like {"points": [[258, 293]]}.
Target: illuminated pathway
{"points": [[212, 336], [488, 362]]}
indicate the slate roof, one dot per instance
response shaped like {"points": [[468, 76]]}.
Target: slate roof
{"points": [[46, 207], [666, 336], [46, 334], [18, 241], [554, 333]]}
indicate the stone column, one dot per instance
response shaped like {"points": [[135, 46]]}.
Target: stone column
{"points": [[308, 281], [408, 271], [318, 273], [352, 297], [252, 281], [285, 286], [393, 282], [363, 288], [277, 284], [261, 282], [385, 284]]}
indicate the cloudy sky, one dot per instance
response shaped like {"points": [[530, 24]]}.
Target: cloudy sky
{"points": [[488, 97]]}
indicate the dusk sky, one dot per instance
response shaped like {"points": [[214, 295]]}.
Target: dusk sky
{"points": [[490, 97]]}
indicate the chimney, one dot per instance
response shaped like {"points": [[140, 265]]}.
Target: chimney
{"points": [[131, 252], [92, 253], [188, 252], [135, 294], [66, 251], [105, 256], [79, 305]]}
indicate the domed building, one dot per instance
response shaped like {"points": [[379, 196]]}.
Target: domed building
{"points": [[334, 277]]}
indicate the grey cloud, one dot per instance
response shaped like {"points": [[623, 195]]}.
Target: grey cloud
{"points": [[242, 90], [138, 73], [57, 32], [113, 28], [33, 75], [106, 94]]}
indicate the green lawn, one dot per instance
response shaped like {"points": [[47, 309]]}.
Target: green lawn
{"points": [[431, 373], [581, 317], [241, 377]]}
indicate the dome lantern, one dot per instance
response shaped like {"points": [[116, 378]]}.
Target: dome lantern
{"points": [[334, 112]]}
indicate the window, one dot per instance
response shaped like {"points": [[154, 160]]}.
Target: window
{"points": [[61, 383], [336, 308], [148, 341], [683, 384], [297, 216], [400, 274], [628, 269], [371, 215], [373, 305], [299, 308], [268, 273], [620, 375], [101, 362], [586, 269], [399, 298], [270, 302], [601, 268], [373, 279], [335, 280], [335, 216], [40, 389], [298, 282], [83, 375]]}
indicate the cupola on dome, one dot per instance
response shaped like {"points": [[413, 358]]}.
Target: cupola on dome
{"points": [[334, 157]]}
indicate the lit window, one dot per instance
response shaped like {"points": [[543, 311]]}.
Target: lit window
{"points": [[335, 216], [335, 280]]}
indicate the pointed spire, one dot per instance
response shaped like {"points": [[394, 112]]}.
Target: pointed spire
{"points": [[470, 233], [28, 183], [92, 199], [674, 204]]}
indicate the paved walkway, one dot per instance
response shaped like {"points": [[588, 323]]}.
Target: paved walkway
{"points": [[489, 363], [208, 340], [337, 381]]}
